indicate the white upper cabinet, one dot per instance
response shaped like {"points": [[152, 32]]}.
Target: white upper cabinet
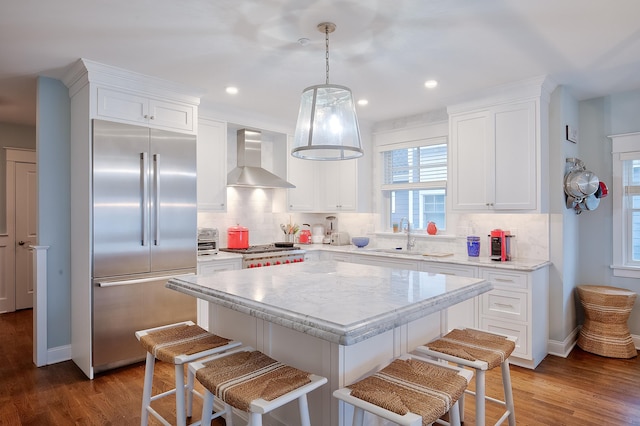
{"points": [[131, 108], [322, 186], [212, 165], [497, 152], [114, 94], [338, 185]]}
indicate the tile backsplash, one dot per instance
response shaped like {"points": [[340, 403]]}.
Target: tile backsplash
{"points": [[263, 210]]}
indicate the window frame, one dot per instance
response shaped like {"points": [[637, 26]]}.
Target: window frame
{"points": [[384, 190], [624, 147]]}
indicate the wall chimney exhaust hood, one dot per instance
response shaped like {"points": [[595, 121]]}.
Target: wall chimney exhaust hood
{"points": [[249, 172]]}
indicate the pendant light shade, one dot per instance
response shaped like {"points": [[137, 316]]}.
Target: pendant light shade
{"points": [[327, 127]]}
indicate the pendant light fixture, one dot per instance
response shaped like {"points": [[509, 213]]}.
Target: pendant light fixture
{"points": [[327, 127]]}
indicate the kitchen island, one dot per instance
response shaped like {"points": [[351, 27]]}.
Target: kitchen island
{"points": [[336, 319]]}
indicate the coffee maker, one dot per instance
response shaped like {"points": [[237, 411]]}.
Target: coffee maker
{"points": [[500, 245], [330, 228]]}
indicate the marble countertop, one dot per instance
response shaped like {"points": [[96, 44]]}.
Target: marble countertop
{"points": [[340, 302], [518, 264]]}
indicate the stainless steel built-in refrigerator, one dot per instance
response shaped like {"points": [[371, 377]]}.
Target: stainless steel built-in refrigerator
{"points": [[144, 231]]}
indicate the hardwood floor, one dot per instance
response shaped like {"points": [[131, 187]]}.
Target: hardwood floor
{"points": [[583, 389]]}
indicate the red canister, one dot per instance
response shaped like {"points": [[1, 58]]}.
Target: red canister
{"points": [[237, 237]]}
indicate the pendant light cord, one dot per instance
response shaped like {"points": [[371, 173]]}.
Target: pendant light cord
{"points": [[326, 38]]}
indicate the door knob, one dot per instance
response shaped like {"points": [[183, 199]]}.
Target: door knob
{"points": [[21, 243]]}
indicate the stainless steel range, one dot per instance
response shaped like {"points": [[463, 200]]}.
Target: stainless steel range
{"points": [[268, 255]]}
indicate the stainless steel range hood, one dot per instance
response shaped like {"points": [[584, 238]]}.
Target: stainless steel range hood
{"points": [[249, 172]]}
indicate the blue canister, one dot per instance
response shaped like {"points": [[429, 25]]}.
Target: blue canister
{"points": [[473, 246]]}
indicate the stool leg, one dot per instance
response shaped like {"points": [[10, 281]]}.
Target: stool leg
{"points": [[207, 408], [480, 398], [180, 411], [255, 419], [189, 393], [303, 406], [508, 392], [358, 416], [228, 416], [148, 384], [454, 414]]}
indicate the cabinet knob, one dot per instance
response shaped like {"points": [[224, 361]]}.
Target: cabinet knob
{"points": [[146, 117], [152, 117]]}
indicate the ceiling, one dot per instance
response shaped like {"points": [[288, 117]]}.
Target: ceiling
{"points": [[383, 50]]}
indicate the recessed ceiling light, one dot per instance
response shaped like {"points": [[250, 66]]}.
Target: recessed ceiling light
{"points": [[232, 90], [363, 102], [430, 84]]}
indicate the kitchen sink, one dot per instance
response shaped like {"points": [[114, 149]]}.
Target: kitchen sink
{"points": [[396, 251]]}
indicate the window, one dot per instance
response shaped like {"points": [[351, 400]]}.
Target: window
{"points": [[414, 182], [626, 205]]}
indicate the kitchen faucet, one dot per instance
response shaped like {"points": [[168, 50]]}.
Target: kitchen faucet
{"points": [[410, 242]]}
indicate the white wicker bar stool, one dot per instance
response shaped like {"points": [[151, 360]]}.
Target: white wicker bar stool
{"points": [[250, 381], [410, 391], [178, 344], [481, 351]]}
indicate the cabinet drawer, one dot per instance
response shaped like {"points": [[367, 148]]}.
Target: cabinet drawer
{"points": [[508, 305], [341, 257], [520, 331], [457, 270], [510, 280]]}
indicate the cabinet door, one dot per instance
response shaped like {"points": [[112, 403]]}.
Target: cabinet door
{"points": [[515, 156], [171, 115], [471, 163], [339, 188], [463, 314], [122, 106], [303, 174], [212, 165]]}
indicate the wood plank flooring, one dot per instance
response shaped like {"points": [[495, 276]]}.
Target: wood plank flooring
{"points": [[583, 389]]}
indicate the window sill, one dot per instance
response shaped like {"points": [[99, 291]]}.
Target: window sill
{"points": [[625, 271]]}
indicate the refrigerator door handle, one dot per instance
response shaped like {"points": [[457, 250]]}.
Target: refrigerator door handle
{"points": [[104, 284], [156, 201], [145, 196]]}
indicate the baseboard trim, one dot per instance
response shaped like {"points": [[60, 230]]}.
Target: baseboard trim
{"points": [[58, 354], [563, 348]]}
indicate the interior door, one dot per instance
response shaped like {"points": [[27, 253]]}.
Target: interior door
{"points": [[120, 193], [173, 200], [26, 232]]}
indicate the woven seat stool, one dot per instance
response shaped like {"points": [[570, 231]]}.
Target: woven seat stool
{"points": [[178, 344], [482, 351], [250, 381], [410, 391], [605, 331]]}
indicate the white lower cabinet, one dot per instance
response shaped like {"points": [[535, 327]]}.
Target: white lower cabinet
{"points": [[208, 267], [518, 306]]}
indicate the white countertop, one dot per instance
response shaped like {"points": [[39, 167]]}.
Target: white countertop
{"points": [[339, 302], [519, 264]]}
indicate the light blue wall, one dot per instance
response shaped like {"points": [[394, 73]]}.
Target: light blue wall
{"points": [[54, 228], [599, 118]]}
